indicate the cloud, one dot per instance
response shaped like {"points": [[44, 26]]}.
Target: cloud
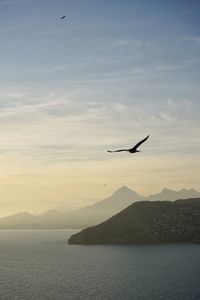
{"points": [[62, 128], [8, 2], [191, 39], [127, 43], [77, 116]]}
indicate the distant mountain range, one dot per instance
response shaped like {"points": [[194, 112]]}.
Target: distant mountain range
{"points": [[147, 222], [90, 215], [167, 194]]}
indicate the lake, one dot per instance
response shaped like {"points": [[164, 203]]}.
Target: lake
{"points": [[39, 264]]}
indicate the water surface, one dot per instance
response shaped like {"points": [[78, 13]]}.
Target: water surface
{"points": [[39, 264]]}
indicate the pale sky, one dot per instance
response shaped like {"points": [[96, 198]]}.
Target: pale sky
{"points": [[104, 77]]}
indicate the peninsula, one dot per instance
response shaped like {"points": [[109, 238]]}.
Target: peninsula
{"points": [[147, 222]]}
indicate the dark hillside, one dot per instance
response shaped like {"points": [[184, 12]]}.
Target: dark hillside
{"points": [[147, 222]]}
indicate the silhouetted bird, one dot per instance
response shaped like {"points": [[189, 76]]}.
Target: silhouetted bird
{"points": [[63, 17], [131, 150]]}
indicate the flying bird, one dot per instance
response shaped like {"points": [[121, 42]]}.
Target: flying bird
{"points": [[62, 17], [131, 150]]}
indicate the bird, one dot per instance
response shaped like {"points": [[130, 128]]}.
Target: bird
{"points": [[62, 17], [131, 150]]}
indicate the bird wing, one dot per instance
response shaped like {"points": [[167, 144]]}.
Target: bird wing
{"points": [[138, 144], [117, 150], [63, 17]]}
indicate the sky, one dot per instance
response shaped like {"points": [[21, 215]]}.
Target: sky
{"points": [[103, 78]]}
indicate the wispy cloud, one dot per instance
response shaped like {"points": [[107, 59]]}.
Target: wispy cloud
{"points": [[192, 39], [61, 127], [8, 2]]}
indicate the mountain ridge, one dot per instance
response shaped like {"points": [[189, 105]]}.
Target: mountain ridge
{"points": [[89, 215]]}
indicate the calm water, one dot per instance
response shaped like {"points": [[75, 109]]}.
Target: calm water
{"points": [[41, 265]]}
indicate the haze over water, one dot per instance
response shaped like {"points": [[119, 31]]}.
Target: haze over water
{"points": [[41, 265]]}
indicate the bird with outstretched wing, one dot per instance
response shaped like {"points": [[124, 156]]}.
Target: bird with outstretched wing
{"points": [[131, 150]]}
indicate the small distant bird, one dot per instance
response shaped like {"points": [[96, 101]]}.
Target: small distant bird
{"points": [[131, 150], [62, 17]]}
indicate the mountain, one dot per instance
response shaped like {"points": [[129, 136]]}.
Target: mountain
{"points": [[147, 222], [88, 216], [108, 207], [167, 194], [117, 201], [18, 221]]}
